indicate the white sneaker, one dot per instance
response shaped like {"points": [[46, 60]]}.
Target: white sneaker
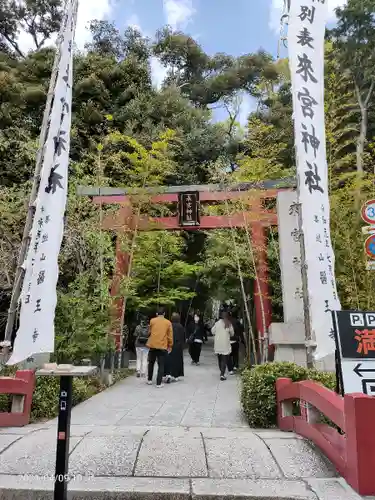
{"points": [[158, 386], [231, 373], [176, 379], [149, 382]]}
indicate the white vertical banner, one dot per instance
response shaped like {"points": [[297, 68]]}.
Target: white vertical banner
{"points": [[36, 333], [306, 31]]}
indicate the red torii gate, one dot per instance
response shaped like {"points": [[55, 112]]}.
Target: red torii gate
{"points": [[258, 218]]}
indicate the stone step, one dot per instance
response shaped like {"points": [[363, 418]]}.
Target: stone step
{"points": [[131, 488]]}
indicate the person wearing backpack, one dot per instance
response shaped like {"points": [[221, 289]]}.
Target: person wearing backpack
{"points": [[141, 334]]}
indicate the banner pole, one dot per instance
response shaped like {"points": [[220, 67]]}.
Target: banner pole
{"points": [[20, 271]]}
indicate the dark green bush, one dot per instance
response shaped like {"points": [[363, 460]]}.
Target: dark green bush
{"points": [[258, 391]]}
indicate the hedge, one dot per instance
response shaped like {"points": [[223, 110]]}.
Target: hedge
{"points": [[258, 392], [46, 394]]}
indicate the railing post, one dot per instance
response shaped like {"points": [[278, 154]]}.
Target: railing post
{"points": [[360, 442], [309, 412], [284, 408]]}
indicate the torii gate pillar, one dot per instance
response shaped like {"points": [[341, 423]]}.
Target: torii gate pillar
{"points": [[262, 299]]}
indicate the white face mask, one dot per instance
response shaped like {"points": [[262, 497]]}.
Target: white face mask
{"points": [[196, 319]]}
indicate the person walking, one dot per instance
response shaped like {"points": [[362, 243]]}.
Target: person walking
{"points": [[141, 334], [175, 359], [238, 336], [196, 335], [222, 331], [160, 342]]}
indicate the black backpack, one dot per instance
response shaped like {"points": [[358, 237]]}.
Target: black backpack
{"points": [[143, 334]]}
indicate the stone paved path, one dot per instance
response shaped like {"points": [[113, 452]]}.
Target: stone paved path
{"points": [[186, 440]]}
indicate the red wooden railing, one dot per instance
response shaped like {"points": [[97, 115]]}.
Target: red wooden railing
{"points": [[21, 388], [353, 450]]}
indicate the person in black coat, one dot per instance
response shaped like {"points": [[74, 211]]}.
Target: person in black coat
{"points": [[195, 338], [174, 368], [235, 340]]}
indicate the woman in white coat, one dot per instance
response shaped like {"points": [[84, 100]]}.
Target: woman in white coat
{"points": [[222, 331]]}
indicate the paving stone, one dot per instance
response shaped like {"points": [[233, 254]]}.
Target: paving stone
{"points": [[25, 488], [6, 440], [24, 430], [299, 459], [196, 417], [105, 455], [127, 421], [170, 414], [97, 418], [246, 457], [332, 489], [222, 432], [130, 489], [246, 489], [168, 456], [228, 418], [266, 434], [32, 454], [107, 430], [177, 432]]}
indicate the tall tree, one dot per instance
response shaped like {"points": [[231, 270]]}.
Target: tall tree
{"points": [[38, 18], [354, 39]]}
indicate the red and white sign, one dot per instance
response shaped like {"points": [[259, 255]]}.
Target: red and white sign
{"points": [[368, 212]]}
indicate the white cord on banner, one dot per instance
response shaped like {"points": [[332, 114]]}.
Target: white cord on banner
{"points": [[283, 27]]}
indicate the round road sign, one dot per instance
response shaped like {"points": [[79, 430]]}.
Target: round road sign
{"points": [[368, 212], [370, 246]]}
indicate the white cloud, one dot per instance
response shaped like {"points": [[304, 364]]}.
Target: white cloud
{"points": [[158, 72], [248, 105], [277, 11], [87, 10], [133, 22], [178, 13]]}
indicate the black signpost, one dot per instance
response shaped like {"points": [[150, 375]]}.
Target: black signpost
{"points": [[355, 351], [63, 435], [66, 374], [188, 208]]}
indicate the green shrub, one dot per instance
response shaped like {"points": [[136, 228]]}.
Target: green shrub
{"points": [[258, 391]]}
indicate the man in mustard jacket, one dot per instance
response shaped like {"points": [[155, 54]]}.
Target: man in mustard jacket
{"points": [[160, 342]]}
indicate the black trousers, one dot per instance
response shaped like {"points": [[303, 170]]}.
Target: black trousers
{"points": [[195, 351], [153, 355], [235, 354], [224, 361]]}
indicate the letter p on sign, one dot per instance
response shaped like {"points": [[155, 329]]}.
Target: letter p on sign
{"points": [[370, 319], [357, 319]]}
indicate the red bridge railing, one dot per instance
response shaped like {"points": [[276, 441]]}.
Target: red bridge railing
{"points": [[21, 388], [351, 448]]}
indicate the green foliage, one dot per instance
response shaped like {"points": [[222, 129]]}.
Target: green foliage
{"points": [[258, 391], [159, 276], [205, 79]]}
